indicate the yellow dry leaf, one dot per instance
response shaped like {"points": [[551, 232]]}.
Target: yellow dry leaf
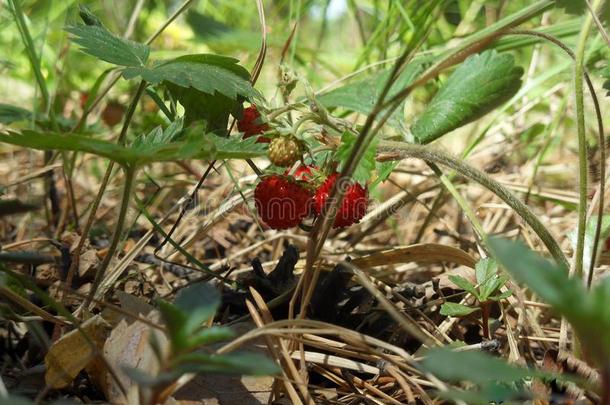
{"points": [[73, 352]]}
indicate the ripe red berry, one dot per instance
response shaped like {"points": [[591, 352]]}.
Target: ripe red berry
{"points": [[353, 207], [281, 202], [303, 172], [251, 124]]}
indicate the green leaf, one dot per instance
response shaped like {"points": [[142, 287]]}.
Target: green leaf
{"points": [[479, 85], [207, 73], [473, 366], [580, 8], [200, 147], [454, 309], [10, 113], [486, 271], [159, 136], [233, 363], [366, 166], [200, 302], [236, 147], [213, 110], [587, 313], [208, 336], [146, 380], [361, 96], [175, 319], [97, 41], [384, 170], [543, 277], [502, 296], [464, 285]]}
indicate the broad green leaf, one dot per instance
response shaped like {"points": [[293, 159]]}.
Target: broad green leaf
{"points": [[543, 277], [502, 296], [233, 363], [384, 170], [491, 393], [486, 271], [10, 113], [479, 85], [454, 309], [473, 366], [577, 7], [208, 336], [587, 312], [146, 380], [174, 319], [366, 166], [207, 73], [464, 285], [211, 109], [361, 96], [200, 302], [97, 41]]}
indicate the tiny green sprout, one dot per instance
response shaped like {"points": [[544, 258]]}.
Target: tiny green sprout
{"points": [[486, 290]]}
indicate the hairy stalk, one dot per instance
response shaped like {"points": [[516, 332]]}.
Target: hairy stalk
{"points": [[117, 233], [579, 69], [401, 150]]}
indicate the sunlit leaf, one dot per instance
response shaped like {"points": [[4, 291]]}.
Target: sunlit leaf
{"points": [[200, 301], [207, 73], [454, 309], [472, 366], [95, 40], [479, 85], [232, 363]]}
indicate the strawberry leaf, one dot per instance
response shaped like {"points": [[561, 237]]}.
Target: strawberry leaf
{"points": [[208, 73], [97, 41], [453, 309], [479, 85]]}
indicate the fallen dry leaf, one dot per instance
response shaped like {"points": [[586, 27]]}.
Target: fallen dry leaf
{"points": [[73, 352], [128, 346]]}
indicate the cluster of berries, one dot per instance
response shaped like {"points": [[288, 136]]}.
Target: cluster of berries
{"points": [[283, 201]]}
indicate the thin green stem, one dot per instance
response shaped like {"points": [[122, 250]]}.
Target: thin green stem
{"points": [[579, 70], [118, 231], [15, 7], [102, 188]]}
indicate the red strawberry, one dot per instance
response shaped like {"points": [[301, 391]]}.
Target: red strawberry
{"points": [[281, 202], [353, 207], [303, 172], [251, 124]]}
